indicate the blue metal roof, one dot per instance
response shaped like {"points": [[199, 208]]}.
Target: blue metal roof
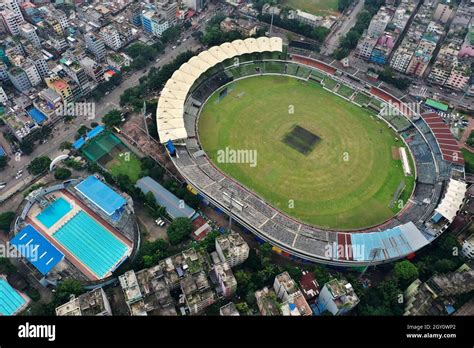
{"points": [[101, 195], [174, 206], [78, 143], [2, 152], [94, 132], [37, 249]]}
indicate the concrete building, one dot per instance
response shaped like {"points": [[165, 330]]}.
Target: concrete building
{"points": [[267, 302], [195, 5], [61, 87], [77, 73], [225, 278], [111, 37], [284, 286], [11, 21], [296, 305], [132, 293], [33, 75], [365, 46], [19, 79], [154, 23], [442, 13], [229, 310], [232, 249], [378, 23], [92, 69], [3, 96], [14, 6], [468, 247], [168, 8], [93, 303], [28, 31], [197, 292], [95, 45], [337, 297], [305, 17]]}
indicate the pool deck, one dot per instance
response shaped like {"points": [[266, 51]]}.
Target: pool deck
{"points": [[36, 209], [77, 206]]}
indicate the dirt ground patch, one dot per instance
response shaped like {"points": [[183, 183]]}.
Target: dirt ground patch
{"points": [[150, 230], [395, 153]]}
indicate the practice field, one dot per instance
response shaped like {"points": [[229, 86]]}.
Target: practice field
{"points": [[315, 7], [347, 179]]}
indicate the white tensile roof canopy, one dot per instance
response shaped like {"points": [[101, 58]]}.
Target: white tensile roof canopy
{"points": [[452, 200], [170, 111]]}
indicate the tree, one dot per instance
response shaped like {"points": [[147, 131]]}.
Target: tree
{"points": [[62, 173], [266, 250], [320, 33], [243, 308], [39, 165], [6, 267], [321, 274], [179, 230], [3, 162], [27, 147], [112, 118], [171, 34], [445, 266], [66, 289], [406, 272], [65, 145]]}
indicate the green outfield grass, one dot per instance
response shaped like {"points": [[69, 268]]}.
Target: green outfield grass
{"points": [[346, 181], [316, 7], [128, 164]]}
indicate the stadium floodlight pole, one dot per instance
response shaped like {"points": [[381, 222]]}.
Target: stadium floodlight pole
{"points": [[144, 119], [230, 210], [374, 252], [271, 26]]}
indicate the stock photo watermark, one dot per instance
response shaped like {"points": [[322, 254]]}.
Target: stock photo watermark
{"points": [[79, 109], [237, 156]]}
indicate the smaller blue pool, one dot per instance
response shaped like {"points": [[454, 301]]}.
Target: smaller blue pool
{"points": [[37, 115], [10, 299], [54, 212]]}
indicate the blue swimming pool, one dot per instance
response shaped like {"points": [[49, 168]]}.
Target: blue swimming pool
{"points": [[10, 299], [54, 212], [91, 243]]}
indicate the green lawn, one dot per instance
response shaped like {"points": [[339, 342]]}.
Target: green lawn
{"points": [[126, 165], [469, 159], [316, 7], [346, 182]]}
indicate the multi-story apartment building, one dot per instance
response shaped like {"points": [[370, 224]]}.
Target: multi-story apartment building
{"points": [[19, 79], [267, 302], [443, 12], [225, 278], [95, 45], [284, 286], [379, 22], [232, 249], [93, 303], [337, 297], [28, 31], [11, 21], [111, 37], [168, 9]]}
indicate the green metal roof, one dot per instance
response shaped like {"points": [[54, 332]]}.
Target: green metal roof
{"points": [[437, 105]]}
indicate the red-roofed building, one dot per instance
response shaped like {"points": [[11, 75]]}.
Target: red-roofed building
{"points": [[201, 228], [309, 285]]}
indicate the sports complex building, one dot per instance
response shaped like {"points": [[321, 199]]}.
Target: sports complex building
{"points": [[438, 163], [80, 228]]}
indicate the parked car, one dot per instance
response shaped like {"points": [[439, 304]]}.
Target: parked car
{"points": [[3, 185]]}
